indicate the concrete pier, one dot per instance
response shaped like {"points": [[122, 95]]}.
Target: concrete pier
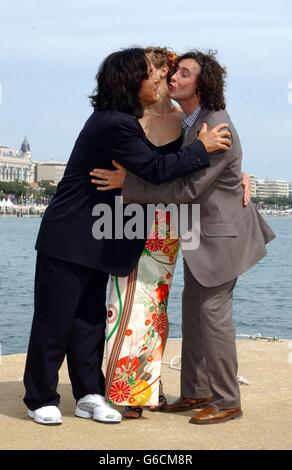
{"points": [[266, 402]]}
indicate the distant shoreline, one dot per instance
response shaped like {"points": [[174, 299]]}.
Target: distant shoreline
{"points": [[275, 213], [239, 337], [271, 212]]}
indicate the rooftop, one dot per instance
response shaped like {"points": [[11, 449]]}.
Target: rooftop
{"points": [[50, 162]]}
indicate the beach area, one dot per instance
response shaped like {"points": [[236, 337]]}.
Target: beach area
{"points": [[266, 401]]}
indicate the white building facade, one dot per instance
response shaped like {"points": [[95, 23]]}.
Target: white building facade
{"points": [[271, 188], [16, 165], [253, 184]]}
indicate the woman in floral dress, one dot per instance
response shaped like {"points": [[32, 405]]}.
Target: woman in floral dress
{"points": [[137, 323]]}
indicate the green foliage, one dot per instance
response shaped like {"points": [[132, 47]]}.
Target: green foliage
{"points": [[45, 184], [23, 190], [16, 187], [273, 201]]}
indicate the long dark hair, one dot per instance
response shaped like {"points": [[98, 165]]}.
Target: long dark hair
{"points": [[211, 79], [119, 81]]}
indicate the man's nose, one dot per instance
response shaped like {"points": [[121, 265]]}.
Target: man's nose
{"points": [[173, 78]]}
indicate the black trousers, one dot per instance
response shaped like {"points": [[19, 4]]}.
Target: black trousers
{"points": [[69, 319]]}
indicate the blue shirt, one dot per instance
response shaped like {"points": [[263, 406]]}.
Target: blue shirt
{"points": [[190, 120]]}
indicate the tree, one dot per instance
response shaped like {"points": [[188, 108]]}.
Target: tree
{"points": [[14, 187], [273, 201]]}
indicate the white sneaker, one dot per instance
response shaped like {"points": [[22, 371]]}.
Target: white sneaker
{"points": [[46, 415], [95, 406]]}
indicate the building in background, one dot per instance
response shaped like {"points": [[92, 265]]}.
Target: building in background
{"points": [[271, 188], [15, 164], [49, 170], [253, 183]]}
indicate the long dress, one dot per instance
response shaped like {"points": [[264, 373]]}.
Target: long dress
{"points": [[137, 322]]}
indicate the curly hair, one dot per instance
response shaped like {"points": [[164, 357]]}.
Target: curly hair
{"points": [[211, 79], [162, 56], [119, 80]]}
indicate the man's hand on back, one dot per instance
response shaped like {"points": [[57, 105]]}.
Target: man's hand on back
{"points": [[246, 184], [109, 179]]}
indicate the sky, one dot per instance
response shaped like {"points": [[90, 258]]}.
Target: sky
{"points": [[50, 53]]}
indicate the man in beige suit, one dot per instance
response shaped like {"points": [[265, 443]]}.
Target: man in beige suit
{"points": [[232, 240]]}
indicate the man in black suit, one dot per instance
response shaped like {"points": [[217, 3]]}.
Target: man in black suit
{"points": [[72, 266]]}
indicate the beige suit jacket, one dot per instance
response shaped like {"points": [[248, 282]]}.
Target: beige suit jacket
{"points": [[232, 237]]}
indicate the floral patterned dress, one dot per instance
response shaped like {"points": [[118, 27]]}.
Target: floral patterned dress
{"points": [[137, 323]]}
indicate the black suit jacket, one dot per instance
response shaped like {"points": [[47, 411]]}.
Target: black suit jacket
{"points": [[66, 228]]}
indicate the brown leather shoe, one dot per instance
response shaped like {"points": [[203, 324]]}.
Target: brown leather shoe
{"points": [[184, 404], [212, 415]]}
